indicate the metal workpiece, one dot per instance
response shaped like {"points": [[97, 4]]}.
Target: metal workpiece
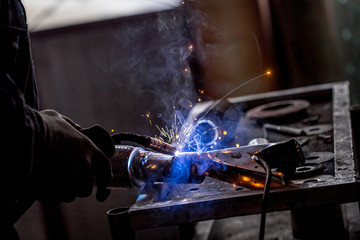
{"points": [[308, 131], [240, 166], [319, 157], [279, 109]]}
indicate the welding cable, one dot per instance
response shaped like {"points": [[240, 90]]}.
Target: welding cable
{"points": [[265, 197], [145, 141]]}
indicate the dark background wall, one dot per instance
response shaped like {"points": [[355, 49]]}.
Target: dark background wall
{"points": [[115, 72]]}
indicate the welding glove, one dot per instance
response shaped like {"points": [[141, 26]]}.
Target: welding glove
{"points": [[67, 162]]}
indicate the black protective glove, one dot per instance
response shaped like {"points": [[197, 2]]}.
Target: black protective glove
{"points": [[67, 162]]}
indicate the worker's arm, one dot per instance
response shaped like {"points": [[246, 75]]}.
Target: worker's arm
{"points": [[42, 152]]}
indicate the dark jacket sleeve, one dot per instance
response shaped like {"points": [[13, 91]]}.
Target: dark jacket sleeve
{"points": [[20, 124]]}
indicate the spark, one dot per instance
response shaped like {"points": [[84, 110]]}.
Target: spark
{"points": [[169, 134], [112, 130], [191, 46], [241, 85]]}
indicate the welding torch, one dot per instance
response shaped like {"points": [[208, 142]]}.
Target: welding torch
{"points": [[135, 166], [152, 161]]}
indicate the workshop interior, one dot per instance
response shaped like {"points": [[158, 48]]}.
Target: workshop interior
{"points": [[231, 119]]}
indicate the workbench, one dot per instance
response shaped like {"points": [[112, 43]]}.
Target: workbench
{"points": [[176, 204]]}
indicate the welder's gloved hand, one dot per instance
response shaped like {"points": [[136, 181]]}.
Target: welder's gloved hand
{"points": [[67, 162]]}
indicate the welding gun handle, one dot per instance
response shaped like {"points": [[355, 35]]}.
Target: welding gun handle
{"points": [[101, 138], [283, 129]]}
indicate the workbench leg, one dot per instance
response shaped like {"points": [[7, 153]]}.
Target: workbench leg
{"points": [[355, 119], [120, 226], [321, 222]]}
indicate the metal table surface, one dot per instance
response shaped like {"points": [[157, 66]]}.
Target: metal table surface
{"points": [[167, 204]]}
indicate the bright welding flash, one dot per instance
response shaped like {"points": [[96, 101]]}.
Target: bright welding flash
{"points": [[207, 130]]}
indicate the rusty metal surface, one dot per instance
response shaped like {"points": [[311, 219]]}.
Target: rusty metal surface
{"points": [[174, 204]]}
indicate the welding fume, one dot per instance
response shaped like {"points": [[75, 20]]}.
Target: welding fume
{"points": [[52, 159]]}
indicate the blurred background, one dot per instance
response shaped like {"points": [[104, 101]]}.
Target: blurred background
{"points": [[127, 64]]}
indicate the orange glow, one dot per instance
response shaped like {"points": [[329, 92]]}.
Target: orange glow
{"points": [[199, 99], [153, 166], [182, 2], [234, 185], [190, 105], [268, 73], [191, 47], [246, 179], [186, 70], [257, 185]]}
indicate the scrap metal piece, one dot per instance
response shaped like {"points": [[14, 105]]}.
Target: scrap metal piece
{"points": [[308, 170], [302, 141], [313, 180], [319, 157], [278, 109], [328, 138], [317, 129], [308, 131], [258, 141]]}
